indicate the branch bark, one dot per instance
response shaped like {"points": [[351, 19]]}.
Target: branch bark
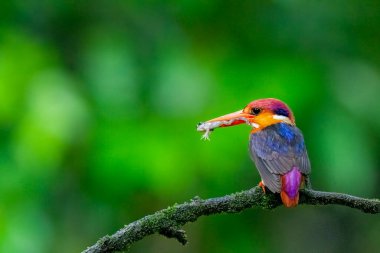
{"points": [[168, 221]]}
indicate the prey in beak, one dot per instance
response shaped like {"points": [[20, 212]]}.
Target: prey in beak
{"points": [[227, 120]]}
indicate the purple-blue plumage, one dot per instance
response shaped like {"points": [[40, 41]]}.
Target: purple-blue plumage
{"points": [[276, 150], [286, 131], [280, 110]]}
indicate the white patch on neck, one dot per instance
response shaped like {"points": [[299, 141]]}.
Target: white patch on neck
{"points": [[282, 118], [254, 125]]}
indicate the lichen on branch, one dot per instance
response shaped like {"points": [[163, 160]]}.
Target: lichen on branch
{"points": [[168, 221]]}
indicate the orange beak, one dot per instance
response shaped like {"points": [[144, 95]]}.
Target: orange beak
{"points": [[232, 119]]}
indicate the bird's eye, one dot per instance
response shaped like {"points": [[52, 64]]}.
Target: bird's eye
{"points": [[255, 111]]}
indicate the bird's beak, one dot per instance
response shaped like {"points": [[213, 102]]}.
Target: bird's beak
{"points": [[232, 119]]}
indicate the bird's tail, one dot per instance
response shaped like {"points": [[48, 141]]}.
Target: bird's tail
{"points": [[291, 183]]}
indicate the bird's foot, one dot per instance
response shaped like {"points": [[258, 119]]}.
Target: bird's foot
{"points": [[262, 185]]}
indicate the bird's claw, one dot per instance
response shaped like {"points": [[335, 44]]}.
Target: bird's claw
{"points": [[262, 185]]}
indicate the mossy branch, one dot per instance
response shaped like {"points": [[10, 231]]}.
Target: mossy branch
{"points": [[168, 221]]}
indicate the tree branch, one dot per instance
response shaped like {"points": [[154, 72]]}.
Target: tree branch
{"points": [[168, 221]]}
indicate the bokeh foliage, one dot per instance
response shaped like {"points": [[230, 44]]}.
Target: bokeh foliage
{"points": [[99, 102]]}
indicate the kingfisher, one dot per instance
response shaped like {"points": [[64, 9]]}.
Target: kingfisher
{"points": [[276, 146]]}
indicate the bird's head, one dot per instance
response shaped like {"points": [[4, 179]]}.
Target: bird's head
{"points": [[259, 114]]}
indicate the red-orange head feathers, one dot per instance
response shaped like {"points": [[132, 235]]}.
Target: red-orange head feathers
{"points": [[272, 106], [267, 112]]}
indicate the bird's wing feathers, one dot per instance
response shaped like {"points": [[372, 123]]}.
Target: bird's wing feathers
{"points": [[272, 181], [276, 150]]}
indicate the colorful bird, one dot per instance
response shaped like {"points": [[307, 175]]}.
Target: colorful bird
{"points": [[276, 146]]}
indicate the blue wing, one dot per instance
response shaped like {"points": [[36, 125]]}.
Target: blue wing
{"points": [[276, 150]]}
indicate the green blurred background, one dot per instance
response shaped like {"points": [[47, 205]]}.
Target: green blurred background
{"points": [[99, 102]]}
